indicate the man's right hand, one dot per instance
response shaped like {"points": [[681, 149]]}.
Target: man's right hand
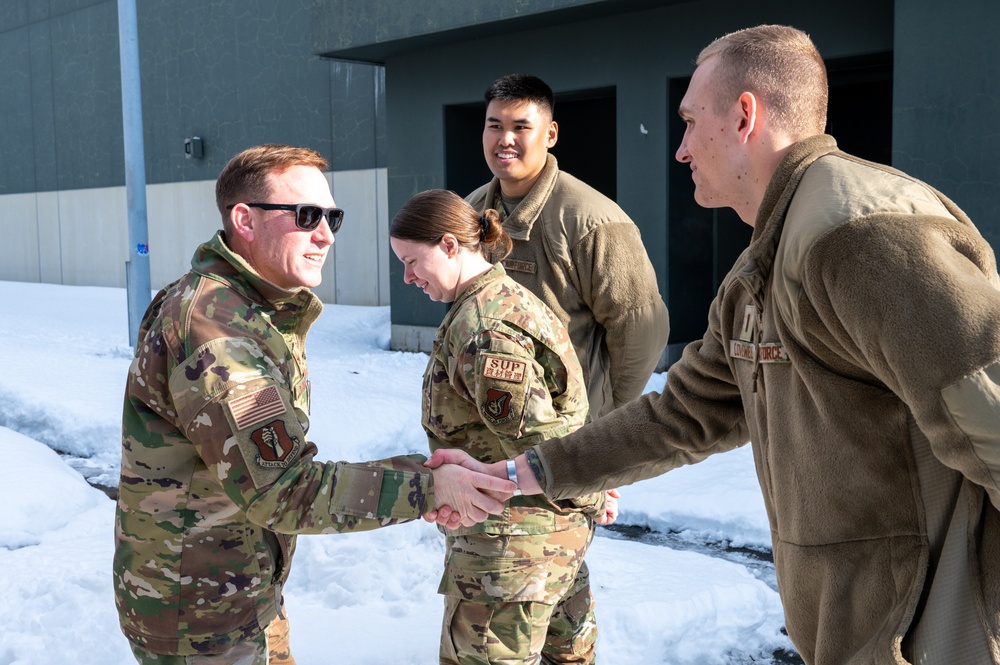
{"points": [[468, 495]]}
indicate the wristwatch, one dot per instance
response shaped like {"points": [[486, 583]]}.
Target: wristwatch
{"points": [[512, 476]]}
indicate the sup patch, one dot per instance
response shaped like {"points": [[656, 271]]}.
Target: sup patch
{"points": [[503, 368]]}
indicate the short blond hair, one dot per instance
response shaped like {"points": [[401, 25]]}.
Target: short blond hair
{"points": [[244, 178], [782, 67]]}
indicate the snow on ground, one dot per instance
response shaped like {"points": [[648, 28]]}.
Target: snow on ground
{"points": [[367, 598]]}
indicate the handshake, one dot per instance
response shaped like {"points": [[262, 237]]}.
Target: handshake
{"points": [[467, 491]]}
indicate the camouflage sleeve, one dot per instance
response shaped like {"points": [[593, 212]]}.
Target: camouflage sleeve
{"points": [[508, 387], [511, 385], [236, 407], [511, 389]]}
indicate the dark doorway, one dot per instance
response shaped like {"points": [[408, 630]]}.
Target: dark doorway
{"points": [[860, 112], [703, 244], [586, 147]]}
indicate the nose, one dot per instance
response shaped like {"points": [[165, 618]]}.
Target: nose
{"points": [[507, 138], [682, 155], [323, 236], [408, 276]]}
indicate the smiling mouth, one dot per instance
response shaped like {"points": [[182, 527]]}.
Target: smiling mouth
{"points": [[507, 155], [315, 258]]}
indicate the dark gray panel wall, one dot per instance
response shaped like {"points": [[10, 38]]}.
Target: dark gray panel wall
{"points": [[55, 61], [358, 102], [86, 99], [636, 53], [349, 23], [947, 101], [16, 166], [235, 72]]}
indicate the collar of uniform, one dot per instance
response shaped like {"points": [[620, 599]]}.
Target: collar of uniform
{"points": [[771, 216], [519, 222], [494, 273], [215, 260]]}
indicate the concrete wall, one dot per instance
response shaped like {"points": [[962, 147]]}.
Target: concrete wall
{"points": [[79, 237], [236, 73]]}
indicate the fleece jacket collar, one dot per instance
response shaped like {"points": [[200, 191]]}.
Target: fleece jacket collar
{"points": [[519, 222], [771, 217]]}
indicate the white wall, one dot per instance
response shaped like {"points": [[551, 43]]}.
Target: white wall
{"points": [[80, 237]]}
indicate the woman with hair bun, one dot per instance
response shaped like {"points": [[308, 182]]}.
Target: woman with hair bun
{"points": [[503, 376]]}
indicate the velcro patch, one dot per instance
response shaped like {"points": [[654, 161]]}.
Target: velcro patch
{"points": [[268, 442], [274, 445], [503, 368], [256, 407], [742, 350], [773, 352], [519, 266], [497, 406]]}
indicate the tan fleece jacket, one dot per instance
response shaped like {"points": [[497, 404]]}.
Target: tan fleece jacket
{"points": [[858, 339], [581, 254]]}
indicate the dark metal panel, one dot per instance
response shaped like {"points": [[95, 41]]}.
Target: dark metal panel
{"points": [[635, 53], [16, 167], [947, 101], [235, 74], [87, 100]]}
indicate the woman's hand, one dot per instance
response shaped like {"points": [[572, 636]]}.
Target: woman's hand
{"points": [[610, 508]]}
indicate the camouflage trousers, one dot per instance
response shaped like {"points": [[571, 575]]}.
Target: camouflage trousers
{"points": [[271, 647], [518, 600]]}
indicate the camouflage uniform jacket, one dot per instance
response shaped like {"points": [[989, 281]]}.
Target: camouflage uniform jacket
{"points": [[217, 474], [502, 377]]}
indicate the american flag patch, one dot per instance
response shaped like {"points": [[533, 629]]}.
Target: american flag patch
{"points": [[255, 407]]}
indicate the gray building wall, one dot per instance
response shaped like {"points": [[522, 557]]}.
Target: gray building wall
{"points": [[946, 99], [635, 49], [310, 72], [939, 60], [236, 73]]}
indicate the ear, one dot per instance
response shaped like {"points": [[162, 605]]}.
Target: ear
{"points": [[747, 115], [242, 221], [551, 134], [449, 245]]}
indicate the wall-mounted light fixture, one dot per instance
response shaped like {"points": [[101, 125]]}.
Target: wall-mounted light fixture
{"points": [[193, 148]]}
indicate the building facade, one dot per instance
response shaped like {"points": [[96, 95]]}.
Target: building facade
{"points": [[390, 91]]}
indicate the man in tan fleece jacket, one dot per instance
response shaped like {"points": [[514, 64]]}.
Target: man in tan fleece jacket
{"points": [[856, 343], [574, 248]]}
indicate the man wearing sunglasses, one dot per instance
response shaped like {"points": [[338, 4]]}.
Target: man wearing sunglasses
{"points": [[217, 475]]}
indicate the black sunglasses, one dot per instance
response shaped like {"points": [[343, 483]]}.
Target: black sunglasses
{"points": [[307, 215]]}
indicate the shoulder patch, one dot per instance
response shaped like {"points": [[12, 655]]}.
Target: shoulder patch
{"points": [[256, 407], [267, 433], [274, 444], [503, 368], [496, 407]]}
